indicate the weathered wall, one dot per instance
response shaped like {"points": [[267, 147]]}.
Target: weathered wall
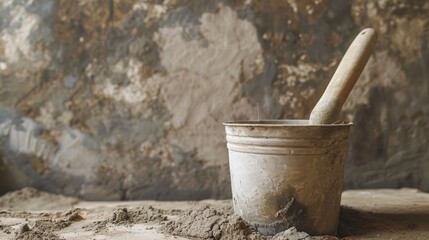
{"points": [[124, 99]]}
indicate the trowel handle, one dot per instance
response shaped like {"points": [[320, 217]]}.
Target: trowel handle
{"points": [[351, 66]]}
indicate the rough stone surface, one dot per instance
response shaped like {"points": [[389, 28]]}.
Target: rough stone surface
{"points": [[125, 99]]}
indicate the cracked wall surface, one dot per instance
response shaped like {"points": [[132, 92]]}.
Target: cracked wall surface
{"points": [[114, 100]]}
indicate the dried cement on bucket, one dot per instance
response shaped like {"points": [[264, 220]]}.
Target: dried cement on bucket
{"points": [[287, 173]]}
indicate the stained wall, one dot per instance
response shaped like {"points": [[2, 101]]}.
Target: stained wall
{"points": [[109, 99]]}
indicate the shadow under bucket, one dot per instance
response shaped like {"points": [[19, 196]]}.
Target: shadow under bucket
{"points": [[286, 173]]}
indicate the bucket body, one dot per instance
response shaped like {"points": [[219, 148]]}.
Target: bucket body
{"points": [[287, 173]]}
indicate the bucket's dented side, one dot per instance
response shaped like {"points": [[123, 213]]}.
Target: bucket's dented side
{"points": [[287, 173]]}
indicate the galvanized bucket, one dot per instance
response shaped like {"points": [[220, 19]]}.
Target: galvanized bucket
{"points": [[287, 173]]}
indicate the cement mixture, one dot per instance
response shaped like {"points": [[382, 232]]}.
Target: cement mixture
{"points": [[205, 222], [31, 214]]}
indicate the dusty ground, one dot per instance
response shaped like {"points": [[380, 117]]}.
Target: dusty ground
{"points": [[366, 214]]}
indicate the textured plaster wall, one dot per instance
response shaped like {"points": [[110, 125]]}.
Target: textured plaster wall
{"points": [[109, 99]]}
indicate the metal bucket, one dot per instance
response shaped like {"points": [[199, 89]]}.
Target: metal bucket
{"points": [[287, 173]]}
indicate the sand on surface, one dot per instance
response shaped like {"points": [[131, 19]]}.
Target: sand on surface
{"points": [[365, 214]]}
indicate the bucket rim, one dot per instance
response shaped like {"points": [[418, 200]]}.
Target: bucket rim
{"points": [[281, 123]]}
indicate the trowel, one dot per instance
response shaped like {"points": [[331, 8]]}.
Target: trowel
{"points": [[348, 71]]}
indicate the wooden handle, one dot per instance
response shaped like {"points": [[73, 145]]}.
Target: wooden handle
{"points": [[351, 66]]}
